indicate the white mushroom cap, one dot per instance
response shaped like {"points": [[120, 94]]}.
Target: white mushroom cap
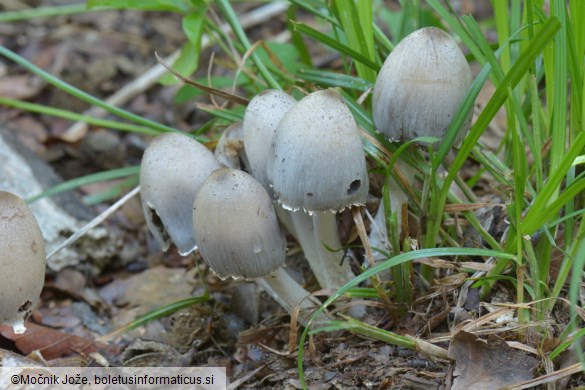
{"points": [[318, 161], [22, 261], [421, 86], [236, 227], [230, 150], [173, 167], [263, 114]]}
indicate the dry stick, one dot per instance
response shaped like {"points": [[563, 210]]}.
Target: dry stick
{"points": [[150, 77], [96, 221]]}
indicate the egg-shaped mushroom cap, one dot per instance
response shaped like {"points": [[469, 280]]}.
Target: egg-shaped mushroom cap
{"points": [[172, 169], [420, 87], [318, 161], [22, 261], [236, 227], [263, 114]]}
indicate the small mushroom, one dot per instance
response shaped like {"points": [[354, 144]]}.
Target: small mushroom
{"points": [[22, 261], [421, 86], [238, 235], [173, 167], [230, 150], [417, 93], [318, 165]]}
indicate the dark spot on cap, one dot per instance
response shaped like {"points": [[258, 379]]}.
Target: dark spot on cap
{"points": [[354, 187], [25, 306]]}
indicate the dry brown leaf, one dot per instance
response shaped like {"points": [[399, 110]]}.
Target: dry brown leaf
{"points": [[487, 364]]}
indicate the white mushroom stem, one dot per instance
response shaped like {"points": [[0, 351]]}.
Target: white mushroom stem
{"points": [[289, 294], [337, 272], [328, 246], [324, 264], [327, 266]]}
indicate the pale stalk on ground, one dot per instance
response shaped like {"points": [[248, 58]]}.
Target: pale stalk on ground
{"points": [[330, 255], [289, 294]]}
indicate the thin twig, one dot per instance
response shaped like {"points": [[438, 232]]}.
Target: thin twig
{"points": [[96, 221]]}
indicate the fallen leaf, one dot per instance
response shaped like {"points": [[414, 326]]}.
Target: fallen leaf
{"points": [[487, 364]]}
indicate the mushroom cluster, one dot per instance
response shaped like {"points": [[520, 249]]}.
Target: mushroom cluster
{"points": [[294, 164], [191, 200], [22, 261], [234, 216]]}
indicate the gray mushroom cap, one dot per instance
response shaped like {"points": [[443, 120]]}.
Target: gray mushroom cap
{"points": [[236, 227], [318, 162], [421, 86], [173, 167], [22, 261], [263, 114]]}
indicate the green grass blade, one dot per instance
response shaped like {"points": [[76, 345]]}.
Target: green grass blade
{"points": [[559, 103], [113, 191], [46, 12], [42, 109], [232, 19], [335, 44], [533, 219], [146, 5], [81, 95], [367, 330], [161, 312], [575, 288], [85, 180], [333, 79], [538, 217], [320, 11], [356, 22]]}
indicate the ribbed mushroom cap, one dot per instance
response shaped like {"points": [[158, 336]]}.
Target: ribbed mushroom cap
{"points": [[173, 167], [318, 161], [421, 86], [263, 114], [236, 227], [22, 261]]}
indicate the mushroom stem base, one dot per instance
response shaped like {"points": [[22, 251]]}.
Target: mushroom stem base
{"points": [[289, 294], [331, 255]]}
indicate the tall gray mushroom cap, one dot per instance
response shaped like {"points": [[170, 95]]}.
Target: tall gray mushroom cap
{"points": [[421, 86], [237, 231], [22, 261], [318, 161], [173, 167], [263, 114]]}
